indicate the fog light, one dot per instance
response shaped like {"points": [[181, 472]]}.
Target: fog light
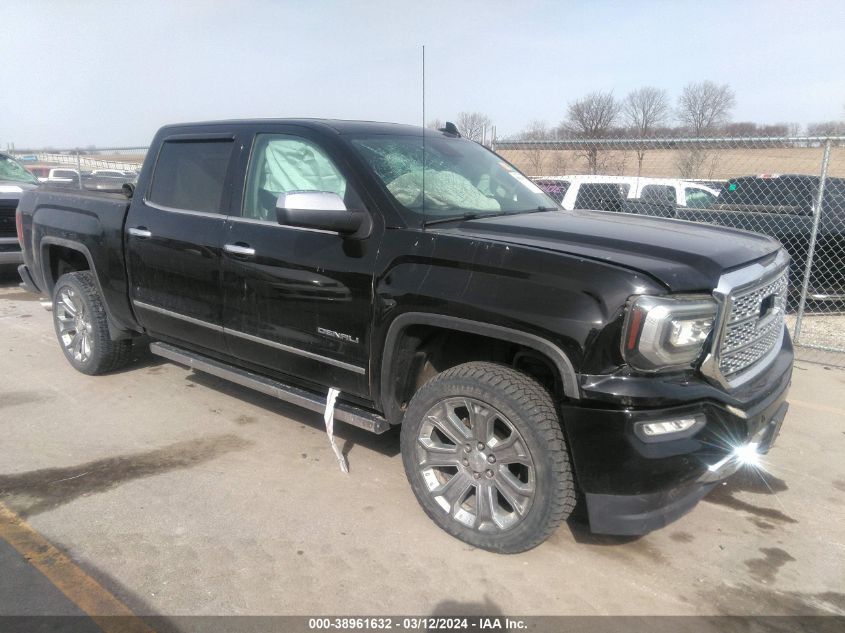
{"points": [[669, 429]]}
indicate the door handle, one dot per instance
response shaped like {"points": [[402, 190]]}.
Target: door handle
{"points": [[140, 231], [239, 249]]}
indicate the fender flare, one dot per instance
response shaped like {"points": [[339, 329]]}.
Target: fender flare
{"points": [[568, 376], [115, 331]]}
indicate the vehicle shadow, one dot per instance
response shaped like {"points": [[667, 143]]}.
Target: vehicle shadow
{"points": [[455, 609], [579, 526], [142, 357], [348, 436], [755, 482]]}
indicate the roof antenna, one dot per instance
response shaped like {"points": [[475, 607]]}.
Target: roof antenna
{"points": [[423, 133], [451, 129]]}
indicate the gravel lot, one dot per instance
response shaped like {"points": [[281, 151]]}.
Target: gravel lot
{"points": [[183, 494]]}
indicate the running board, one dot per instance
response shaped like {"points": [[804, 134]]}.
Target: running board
{"points": [[344, 412]]}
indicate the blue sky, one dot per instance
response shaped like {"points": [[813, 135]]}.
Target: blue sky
{"points": [[110, 73]]}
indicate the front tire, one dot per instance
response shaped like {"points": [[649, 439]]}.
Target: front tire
{"points": [[81, 324], [485, 456]]}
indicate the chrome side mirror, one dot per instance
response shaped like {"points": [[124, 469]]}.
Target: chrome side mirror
{"points": [[322, 210]]}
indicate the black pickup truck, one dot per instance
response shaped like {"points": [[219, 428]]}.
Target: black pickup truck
{"points": [[531, 355], [784, 207]]}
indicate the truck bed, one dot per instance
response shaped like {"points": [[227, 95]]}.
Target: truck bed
{"points": [[90, 220]]}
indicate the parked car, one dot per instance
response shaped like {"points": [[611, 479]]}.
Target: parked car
{"points": [[124, 175], [530, 354], [782, 206], [607, 193], [64, 178], [14, 180], [41, 172]]}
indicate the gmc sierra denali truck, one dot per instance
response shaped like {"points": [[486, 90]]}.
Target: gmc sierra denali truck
{"points": [[533, 356]]}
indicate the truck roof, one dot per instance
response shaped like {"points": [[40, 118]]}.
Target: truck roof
{"points": [[340, 126]]}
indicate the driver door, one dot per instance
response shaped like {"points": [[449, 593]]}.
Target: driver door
{"points": [[297, 302]]}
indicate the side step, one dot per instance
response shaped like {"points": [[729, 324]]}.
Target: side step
{"points": [[344, 412]]}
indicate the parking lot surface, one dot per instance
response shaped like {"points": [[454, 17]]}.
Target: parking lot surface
{"points": [[182, 494]]}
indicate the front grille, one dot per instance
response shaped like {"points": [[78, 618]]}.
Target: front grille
{"points": [[754, 324], [7, 218]]}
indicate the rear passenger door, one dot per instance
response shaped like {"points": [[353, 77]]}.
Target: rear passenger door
{"points": [[174, 236]]}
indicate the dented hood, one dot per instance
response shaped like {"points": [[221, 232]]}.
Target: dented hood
{"points": [[685, 256]]}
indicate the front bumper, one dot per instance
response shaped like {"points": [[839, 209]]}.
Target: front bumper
{"points": [[633, 487]]}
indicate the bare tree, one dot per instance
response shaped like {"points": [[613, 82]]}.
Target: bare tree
{"points": [[689, 162], [434, 124], [704, 107], [645, 110], [473, 125], [536, 157], [749, 128], [826, 128], [592, 117]]}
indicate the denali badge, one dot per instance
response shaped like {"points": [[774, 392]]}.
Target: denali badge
{"points": [[338, 335]]}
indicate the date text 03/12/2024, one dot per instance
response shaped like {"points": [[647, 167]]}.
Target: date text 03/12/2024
{"points": [[417, 624]]}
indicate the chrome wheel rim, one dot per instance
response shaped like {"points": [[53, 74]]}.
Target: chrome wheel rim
{"points": [[476, 465], [74, 324]]}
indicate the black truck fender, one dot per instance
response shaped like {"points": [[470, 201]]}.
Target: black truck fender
{"points": [[116, 330], [391, 408]]}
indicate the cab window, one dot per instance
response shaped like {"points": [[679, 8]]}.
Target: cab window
{"points": [[190, 174], [665, 194], [601, 196], [282, 163], [700, 199]]}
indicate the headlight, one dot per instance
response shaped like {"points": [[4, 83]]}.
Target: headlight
{"points": [[666, 332]]}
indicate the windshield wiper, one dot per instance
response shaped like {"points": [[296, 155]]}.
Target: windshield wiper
{"points": [[474, 215], [469, 215], [534, 210]]}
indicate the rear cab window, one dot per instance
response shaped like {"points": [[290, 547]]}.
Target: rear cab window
{"points": [[191, 174], [601, 196], [659, 193]]}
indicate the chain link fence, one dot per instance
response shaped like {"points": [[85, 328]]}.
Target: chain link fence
{"points": [[792, 189], [100, 169]]}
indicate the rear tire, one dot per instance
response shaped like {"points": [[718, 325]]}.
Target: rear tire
{"points": [[81, 323], [485, 456]]}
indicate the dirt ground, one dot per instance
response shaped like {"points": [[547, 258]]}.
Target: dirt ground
{"points": [[718, 164], [185, 495]]}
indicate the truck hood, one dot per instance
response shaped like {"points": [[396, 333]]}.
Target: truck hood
{"points": [[685, 256]]}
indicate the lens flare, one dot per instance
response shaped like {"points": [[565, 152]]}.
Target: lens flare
{"points": [[747, 454]]}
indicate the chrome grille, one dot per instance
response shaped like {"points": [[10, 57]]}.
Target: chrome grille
{"points": [[749, 335]]}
